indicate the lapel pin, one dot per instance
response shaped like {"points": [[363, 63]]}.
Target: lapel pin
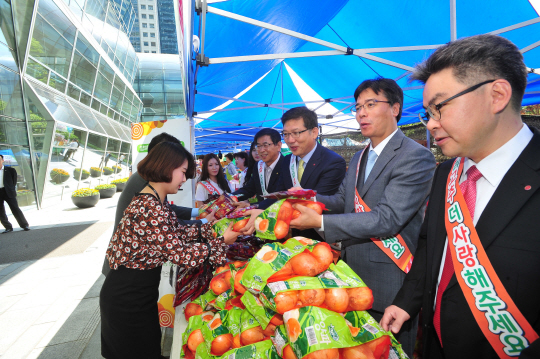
{"points": [[527, 187]]}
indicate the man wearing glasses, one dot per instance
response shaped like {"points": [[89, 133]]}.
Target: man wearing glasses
{"points": [[476, 272], [266, 176], [382, 197]]}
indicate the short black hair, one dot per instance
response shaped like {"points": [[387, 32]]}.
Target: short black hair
{"points": [[162, 137], [309, 116], [478, 58], [390, 89], [2, 156], [242, 155], [274, 135], [229, 156]]}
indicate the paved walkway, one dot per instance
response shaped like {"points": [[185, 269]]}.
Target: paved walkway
{"points": [[50, 278]]}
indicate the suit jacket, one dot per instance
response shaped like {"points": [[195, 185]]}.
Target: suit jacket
{"points": [[253, 187], [323, 173], [10, 180], [134, 185], [396, 191], [509, 231]]}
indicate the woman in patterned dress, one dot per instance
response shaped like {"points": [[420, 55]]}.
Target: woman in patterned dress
{"points": [[148, 236]]}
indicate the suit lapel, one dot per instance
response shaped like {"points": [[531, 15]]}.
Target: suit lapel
{"points": [[311, 165], [386, 156], [275, 173]]}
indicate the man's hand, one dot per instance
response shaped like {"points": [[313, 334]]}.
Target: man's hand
{"points": [[308, 218], [229, 236], [393, 319], [295, 189], [241, 204], [250, 226]]}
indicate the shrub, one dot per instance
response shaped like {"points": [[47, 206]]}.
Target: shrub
{"points": [[105, 186], [85, 192], [120, 180], [59, 171]]}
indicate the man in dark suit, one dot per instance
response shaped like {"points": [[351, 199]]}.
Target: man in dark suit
{"points": [[310, 165], [392, 177], [136, 183], [266, 176], [473, 93], [8, 193]]}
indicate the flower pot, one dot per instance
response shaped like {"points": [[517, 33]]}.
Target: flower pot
{"points": [[59, 178], [107, 172], [85, 202], [117, 169], [106, 192], [95, 174], [76, 173], [120, 186]]}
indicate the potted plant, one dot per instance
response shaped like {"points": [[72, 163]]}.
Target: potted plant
{"points": [[77, 171], [95, 172], [117, 169], [108, 171], [120, 184], [58, 175], [106, 190], [85, 197]]}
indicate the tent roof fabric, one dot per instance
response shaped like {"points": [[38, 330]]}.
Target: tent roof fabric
{"points": [[234, 100]]}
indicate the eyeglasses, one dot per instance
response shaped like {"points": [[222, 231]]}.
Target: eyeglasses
{"points": [[263, 146], [294, 135], [368, 105], [433, 111]]}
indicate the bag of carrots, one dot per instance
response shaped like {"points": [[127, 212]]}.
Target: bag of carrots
{"points": [[315, 332], [273, 222], [298, 256], [267, 318], [338, 288]]}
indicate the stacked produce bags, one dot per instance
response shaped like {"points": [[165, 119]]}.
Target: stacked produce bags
{"points": [[289, 301]]}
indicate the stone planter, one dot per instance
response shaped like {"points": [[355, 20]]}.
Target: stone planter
{"points": [[106, 192], [107, 171], [95, 174], [83, 176], [85, 202], [59, 178], [117, 169], [120, 186]]}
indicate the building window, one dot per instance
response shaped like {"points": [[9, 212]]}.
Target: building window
{"points": [[153, 43], [152, 34], [145, 34], [151, 17], [146, 51], [143, 7], [145, 43], [152, 26], [150, 7], [143, 16], [144, 25], [153, 52]]}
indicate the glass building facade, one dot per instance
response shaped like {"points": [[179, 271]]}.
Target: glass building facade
{"points": [[66, 94], [159, 86], [167, 27]]}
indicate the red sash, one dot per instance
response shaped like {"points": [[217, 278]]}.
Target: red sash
{"points": [[395, 246], [212, 190], [502, 323]]}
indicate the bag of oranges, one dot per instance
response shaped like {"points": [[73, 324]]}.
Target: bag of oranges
{"points": [[273, 222], [260, 350], [298, 256], [216, 335], [338, 288], [267, 318], [192, 337]]}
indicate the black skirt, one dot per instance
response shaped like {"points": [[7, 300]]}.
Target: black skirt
{"points": [[129, 314]]}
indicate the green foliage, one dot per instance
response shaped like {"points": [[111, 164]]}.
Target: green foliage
{"points": [[120, 180], [105, 186], [85, 192]]}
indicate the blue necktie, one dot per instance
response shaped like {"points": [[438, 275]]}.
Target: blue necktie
{"points": [[372, 157]]}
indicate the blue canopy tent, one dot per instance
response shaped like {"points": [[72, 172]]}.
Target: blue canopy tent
{"points": [[258, 59]]}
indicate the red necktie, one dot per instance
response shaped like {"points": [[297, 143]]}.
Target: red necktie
{"points": [[468, 187]]}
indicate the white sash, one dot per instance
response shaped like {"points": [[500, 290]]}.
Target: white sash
{"points": [[294, 172], [260, 167]]}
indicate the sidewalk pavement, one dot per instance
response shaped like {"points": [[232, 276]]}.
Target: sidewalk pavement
{"points": [[50, 278]]}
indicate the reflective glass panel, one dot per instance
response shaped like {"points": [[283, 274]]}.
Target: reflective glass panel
{"points": [[104, 122], [57, 82], [10, 94], [87, 117], [103, 88], [73, 92], [87, 50], [13, 131], [8, 57], [7, 35], [86, 99], [18, 157], [51, 12], [83, 74], [37, 71]]}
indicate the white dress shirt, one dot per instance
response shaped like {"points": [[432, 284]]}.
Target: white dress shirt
{"points": [[306, 158], [493, 168], [269, 169], [2, 177], [378, 150]]}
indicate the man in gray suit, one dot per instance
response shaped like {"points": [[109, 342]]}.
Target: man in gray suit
{"points": [[392, 176]]}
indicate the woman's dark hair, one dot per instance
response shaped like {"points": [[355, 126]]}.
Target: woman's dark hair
{"points": [[162, 160], [251, 163], [205, 175], [243, 156], [229, 156]]}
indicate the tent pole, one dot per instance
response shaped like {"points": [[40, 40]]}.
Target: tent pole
{"points": [[453, 29]]}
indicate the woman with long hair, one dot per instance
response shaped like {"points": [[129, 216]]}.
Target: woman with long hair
{"points": [[253, 159], [212, 180], [149, 235]]}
